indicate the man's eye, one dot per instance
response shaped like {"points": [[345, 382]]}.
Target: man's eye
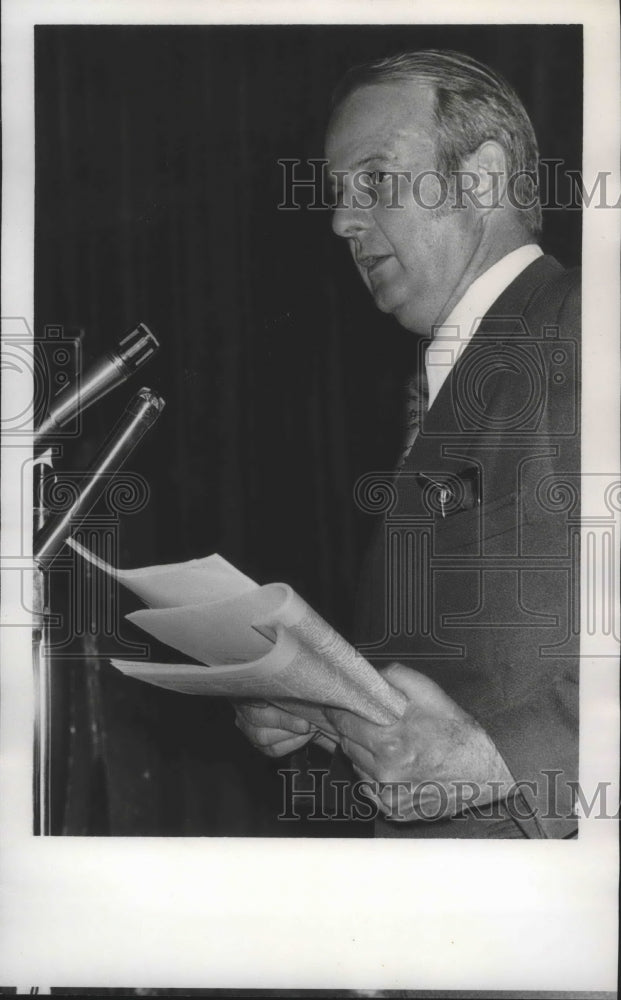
{"points": [[379, 176]]}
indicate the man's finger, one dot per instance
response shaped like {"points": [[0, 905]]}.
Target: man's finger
{"points": [[286, 746], [264, 736], [271, 717], [418, 688], [356, 730], [362, 759]]}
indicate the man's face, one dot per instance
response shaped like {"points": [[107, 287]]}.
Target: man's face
{"points": [[414, 260]]}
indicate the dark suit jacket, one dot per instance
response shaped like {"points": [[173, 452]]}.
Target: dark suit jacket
{"points": [[473, 575]]}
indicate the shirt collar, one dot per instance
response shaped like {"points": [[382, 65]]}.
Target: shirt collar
{"points": [[461, 324]]}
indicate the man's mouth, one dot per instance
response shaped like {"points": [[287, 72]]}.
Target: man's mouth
{"points": [[371, 261]]}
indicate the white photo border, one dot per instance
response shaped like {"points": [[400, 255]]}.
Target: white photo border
{"points": [[385, 914]]}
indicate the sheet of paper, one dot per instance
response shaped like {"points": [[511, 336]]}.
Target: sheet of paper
{"points": [[223, 632], [309, 661], [195, 679], [211, 578], [260, 641]]}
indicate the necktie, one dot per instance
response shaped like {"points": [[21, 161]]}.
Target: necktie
{"points": [[417, 404]]}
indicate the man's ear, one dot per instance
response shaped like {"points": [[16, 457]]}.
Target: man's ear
{"points": [[489, 164]]}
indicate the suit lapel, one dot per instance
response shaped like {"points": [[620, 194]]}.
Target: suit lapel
{"points": [[503, 319]]}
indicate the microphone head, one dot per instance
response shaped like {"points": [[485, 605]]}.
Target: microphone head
{"points": [[137, 347]]}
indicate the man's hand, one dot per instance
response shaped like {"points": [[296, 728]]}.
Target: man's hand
{"points": [[434, 742], [272, 730]]}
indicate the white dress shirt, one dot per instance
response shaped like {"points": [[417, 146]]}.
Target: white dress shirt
{"points": [[461, 324]]}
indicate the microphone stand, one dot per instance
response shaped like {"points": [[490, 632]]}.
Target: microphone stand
{"points": [[42, 471], [52, 531]]}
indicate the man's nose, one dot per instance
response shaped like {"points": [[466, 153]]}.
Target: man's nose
{"points": [[350, 221]]}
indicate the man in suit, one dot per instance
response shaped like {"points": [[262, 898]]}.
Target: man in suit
{"points": [[468, 591]]}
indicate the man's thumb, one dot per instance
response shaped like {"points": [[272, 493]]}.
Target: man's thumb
{"points": [[414, 685]]}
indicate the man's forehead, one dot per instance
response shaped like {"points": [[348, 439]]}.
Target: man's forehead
{"points": [[378, 117]]}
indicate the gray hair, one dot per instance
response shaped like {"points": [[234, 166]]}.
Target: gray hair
{"points": [[473, 104]]}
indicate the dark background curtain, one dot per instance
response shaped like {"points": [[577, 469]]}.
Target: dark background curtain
{"points": [[157, 186]]}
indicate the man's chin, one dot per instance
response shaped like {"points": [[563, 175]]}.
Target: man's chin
{"points": [[386, 302], [400, 308]]}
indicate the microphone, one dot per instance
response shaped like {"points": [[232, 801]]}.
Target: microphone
{"points": [[141, 413], [105, 374]]}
